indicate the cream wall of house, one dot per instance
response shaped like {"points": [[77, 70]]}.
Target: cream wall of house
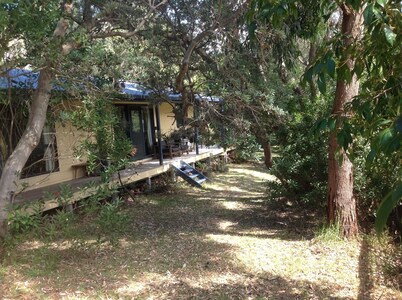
{"points": [[67, 139], [168, 121]]}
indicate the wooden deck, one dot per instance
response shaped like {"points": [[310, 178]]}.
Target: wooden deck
{"points": [[86, 186]]}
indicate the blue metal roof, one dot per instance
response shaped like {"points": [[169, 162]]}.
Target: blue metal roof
{"points": [[27, 79], [138, 91], [19, 78]]}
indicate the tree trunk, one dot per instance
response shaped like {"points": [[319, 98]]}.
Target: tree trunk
{"points": [[311, 57], [194, 43], [29, 140], [37, 117], [267, 154], [341, 207]]}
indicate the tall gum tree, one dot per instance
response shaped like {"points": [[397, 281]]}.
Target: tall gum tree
{"points": [[193, 44], [341, 206]]}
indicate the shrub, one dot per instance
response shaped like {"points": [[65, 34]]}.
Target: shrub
{"points": [[112, 221], [247, 149], [301, 167], [372, 182], [25, 218]]}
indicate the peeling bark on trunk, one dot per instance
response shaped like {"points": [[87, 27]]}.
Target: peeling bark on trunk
{"points": [[341, 207]]}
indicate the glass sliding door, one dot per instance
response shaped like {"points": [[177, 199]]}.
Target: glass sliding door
{"points": [[137, 131], [138, 124]]}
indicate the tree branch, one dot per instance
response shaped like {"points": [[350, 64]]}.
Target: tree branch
{"points": [[140, 26], [194, 42]]}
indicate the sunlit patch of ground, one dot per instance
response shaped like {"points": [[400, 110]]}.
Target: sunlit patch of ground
{"points": [[257, 174], [296, 260], [220, 242]]}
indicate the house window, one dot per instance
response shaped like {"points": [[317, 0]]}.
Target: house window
{"points": [[43, 158]]}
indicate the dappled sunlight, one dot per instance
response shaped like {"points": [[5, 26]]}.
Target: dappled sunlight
{"points": [[225, 225], [234, 205], [254, 173], [68, 244], [153, 284], [208, 279], [225, 188], [146, 282], [235, 189], [31, 245], [21, 288], [294, 260], [219, 242]]}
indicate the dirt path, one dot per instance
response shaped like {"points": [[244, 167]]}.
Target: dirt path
{"points": [[221, 242]]}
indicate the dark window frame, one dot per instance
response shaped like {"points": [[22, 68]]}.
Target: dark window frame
{"points": [[44, 158]]}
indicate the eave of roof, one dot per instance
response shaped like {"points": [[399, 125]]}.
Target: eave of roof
{"points": [[27, 79]]}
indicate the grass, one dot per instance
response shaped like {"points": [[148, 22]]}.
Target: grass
{"points": [[221, 242]]}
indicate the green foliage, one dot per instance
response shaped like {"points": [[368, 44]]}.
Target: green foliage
{"points": [[112, 221], [63, 199], [106, 146], [247, 148], [60, 224], [375, 113], [301, 167], [24, 218], [106, 220], [378, 107], [372, 182], [327, 234], [92, 204], [296, 19], [390, 202], [323, 67]]}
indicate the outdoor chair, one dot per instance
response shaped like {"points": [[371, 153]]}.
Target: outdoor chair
{"points": [[171, 149]]}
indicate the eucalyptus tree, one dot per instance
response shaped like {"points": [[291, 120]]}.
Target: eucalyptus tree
{"points": [[204, 45], [366, 50], [256, 91], [377, 109], [341, 201], [363, 48], [195, 29], [50, 32], [341, 207]]}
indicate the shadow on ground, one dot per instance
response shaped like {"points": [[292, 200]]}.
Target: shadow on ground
{"points": [[191, 244]]}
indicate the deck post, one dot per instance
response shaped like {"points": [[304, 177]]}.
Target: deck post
{"points": [[196, 131], [173, 173], [69, 207], [158, 129], [224, 160], [197, 150], [149, 183], [209, 160]]}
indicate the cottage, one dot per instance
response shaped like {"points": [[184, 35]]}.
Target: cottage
{"points": [[54, 163]]}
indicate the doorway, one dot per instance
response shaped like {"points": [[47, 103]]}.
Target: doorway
{"points": [[138, 123]]}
